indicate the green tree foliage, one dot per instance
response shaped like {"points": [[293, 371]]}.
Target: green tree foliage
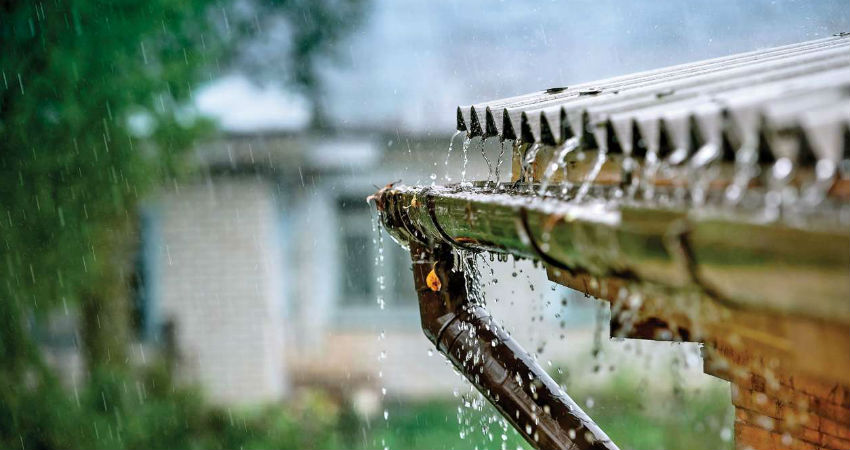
{"points": [[70, 170], [75, 76]]}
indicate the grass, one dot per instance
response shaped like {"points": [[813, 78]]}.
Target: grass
{"points": [[635, 418], [632, 417], [434, 425]]}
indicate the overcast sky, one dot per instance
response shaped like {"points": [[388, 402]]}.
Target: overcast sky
{"points": [[413, 61]]}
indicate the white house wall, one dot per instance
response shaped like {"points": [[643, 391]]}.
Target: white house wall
{"points": [[218, 280]]}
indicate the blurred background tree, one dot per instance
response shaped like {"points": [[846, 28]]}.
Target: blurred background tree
{"points": [[94, 112]]}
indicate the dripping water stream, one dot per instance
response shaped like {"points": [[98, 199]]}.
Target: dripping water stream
{"points": [[378, 243], [500, 160], [528, 163], [777, 187], [449, 154], [559, 162], [746, 168], [466, 142], [486, 160], [479, 425], [588, 181]]}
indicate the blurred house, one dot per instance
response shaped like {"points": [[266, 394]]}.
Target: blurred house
{"points": [[264, 274], [262, 270], [265, 271]]}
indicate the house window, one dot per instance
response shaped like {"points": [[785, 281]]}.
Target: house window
{"points": [[144, 278], [358, 287], [359, 284]]}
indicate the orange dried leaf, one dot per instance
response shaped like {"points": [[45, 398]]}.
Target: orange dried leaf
{"points": [[433, 281]]}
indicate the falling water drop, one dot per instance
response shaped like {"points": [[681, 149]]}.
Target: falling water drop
{"points": [[500, 160], [817, 191], [558, 162], [590, 178], [746, 168], [528, 162], [486, 160], [378, 241], [466, 143], [449, 154], [780, 177]]}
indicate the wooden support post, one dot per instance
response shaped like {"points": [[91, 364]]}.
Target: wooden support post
{"points": [[493, 362]]}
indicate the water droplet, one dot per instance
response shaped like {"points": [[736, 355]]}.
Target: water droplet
{"points": [[465, 148]]}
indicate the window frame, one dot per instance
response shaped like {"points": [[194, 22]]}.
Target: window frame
{"points": [[401, 308]]}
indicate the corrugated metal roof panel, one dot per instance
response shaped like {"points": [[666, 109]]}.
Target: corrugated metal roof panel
{"points": [[784, 94]]}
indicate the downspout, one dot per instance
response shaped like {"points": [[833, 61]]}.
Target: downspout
{"points": [[494, 362], [523, 393]]}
